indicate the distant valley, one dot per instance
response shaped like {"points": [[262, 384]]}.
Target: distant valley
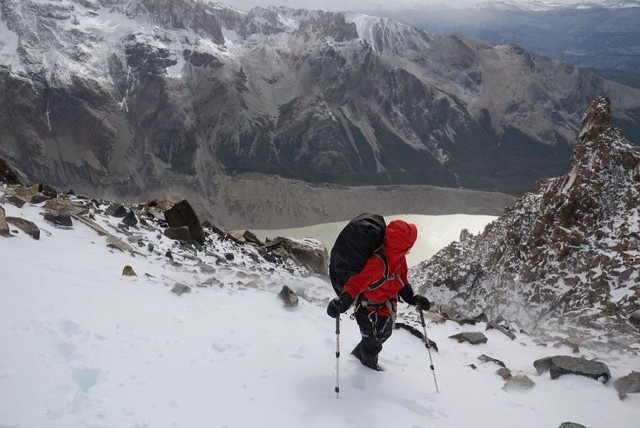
{"points": [[238, 110]]}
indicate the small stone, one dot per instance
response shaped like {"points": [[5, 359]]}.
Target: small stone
{"points": [[473, 338], [180, 289], [289, 297], [519, 383], [116, 210], [505, 373], [128, 271], [488, 359], [130, 219], [58, 219]]}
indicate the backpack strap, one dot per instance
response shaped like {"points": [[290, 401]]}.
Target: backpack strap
{"points": [[385, 275]]}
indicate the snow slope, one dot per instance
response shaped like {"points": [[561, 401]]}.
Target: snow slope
{"points": [[84, 346]]}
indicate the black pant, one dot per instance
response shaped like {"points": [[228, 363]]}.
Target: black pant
{"points": [[375, 330]]}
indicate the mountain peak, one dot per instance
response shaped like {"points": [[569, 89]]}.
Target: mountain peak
{"points": [[566, 253]]}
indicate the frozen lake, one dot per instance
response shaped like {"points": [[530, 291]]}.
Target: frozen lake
{"points": [[434, 232]]}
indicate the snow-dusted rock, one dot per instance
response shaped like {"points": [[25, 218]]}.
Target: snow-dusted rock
{"points": [[4, 227], [628, 384], [562, 365], [566, 254], [25, 225], [473, 337], [519, 383]]}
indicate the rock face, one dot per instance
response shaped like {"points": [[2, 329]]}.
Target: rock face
{"points": [[8, 174], [181, 93], [566, 254]]}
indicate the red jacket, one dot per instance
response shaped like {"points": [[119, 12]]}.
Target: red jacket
{"points": [[399, 238]]}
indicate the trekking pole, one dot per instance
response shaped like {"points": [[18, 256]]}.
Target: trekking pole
{"points": [[428, 345], [337, 388]]}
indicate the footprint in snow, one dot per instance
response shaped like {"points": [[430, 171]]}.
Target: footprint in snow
{"points": [[86, 378]]}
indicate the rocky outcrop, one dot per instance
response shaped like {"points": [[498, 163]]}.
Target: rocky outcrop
{"points": [[565, 254], [177, 221]]}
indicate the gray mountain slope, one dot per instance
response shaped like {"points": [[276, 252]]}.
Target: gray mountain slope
{"points": [[132, 98]]}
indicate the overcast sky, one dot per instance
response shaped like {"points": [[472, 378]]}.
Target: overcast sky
{"points": [[357, 4]]}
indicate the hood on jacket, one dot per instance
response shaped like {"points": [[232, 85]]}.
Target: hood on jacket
{"points": [[400, 236]]}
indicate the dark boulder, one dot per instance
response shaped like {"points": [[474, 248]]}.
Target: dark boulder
{"points": [[562, 364], [58, 219], [15, 200], [116, 210], [178, 234], [130, 219], [182, 214], [47, 191]]}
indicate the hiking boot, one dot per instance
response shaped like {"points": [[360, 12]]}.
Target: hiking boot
{"points": [[366, 360]]}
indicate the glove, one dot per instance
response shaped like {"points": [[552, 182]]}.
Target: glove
{"points": [[406, 293], [339, 304], [421, 302]]}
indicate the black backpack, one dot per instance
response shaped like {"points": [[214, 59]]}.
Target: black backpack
{"points": [[361, 238]]}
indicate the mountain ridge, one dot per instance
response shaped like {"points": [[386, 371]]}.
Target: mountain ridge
{"points": [[136, 97], [565, 254]]}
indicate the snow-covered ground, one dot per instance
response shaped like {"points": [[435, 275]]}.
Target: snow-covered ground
{"points": [[83, 346]]}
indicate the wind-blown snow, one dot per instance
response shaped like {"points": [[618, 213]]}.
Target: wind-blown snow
{"points": [[83, 346]]}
